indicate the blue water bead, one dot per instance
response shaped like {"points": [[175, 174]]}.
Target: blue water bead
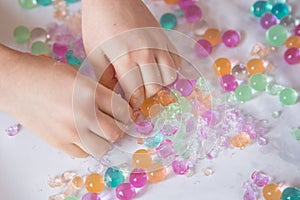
{"points": [[72, 60], [113, 177], [280, 10], [44, 2], [168, 21], [260, 7], [154, 141], [290, 193]]}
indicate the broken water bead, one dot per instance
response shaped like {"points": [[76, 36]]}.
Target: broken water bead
{"points": [[295, 132], [71, 198], [297, 30], [13, 130], [156, 173], [268, 20], [165, 149], [228, 82], [276, 35], [39, 48], [290, 193], [240, 140], [273, 89], [222, 66], [292, 56], [199, 27], [255, 66], [192, 13], [169, 127], [272, 192], [213, 35], [231, 38], [288, 22], [90, 196], [280, 10], [184, 86], [180, 165], [44, 2], [125, 191], [138, 178], [168, 21], [260, 179], [113, 177], [243, 93], [165, 98], [258, 82], [249, 194], [288, 96], [77, 182], [141, 159], [21, 34], [144, 127], [260, 7], [154, 141], [94, 183], [203, 48], [293, 41], [239, 71]]}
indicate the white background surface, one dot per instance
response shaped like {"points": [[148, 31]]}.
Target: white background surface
{"points": [[26, 161]]}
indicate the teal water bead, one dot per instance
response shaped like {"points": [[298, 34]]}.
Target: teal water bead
{"points": [[288, 96], [280, 10], [113, 177], [153, 142], [243, 93], [27, 4], [168, 21], [260, 7], [39, 48], [290, 193], [71, 198], [21, 34], [71, 1], [44, 2], [277, 35], [273, 2], [258, 82]]}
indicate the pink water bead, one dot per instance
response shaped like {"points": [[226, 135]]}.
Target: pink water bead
{"points": [[231, 38], [211, 117], [260, 179], [165, 149], [203, 48], [183, 4], [138, 178], [144, 127], [169, 128], [90, 196], [60, 49], [184, 86], [180, 165], [192, 13], [228, 82], [13, 129], [297, 30], [249, 194], [292, 55], [268, 20], [125, 191]]}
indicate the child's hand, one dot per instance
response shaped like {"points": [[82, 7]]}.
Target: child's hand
{"points": [[68, 110], [142, 71]]}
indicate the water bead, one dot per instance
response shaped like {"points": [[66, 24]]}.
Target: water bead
{"points": [[288, 96], [156, 173], [171, 1], [258, 82], [273, 89], [21, 34], [77, 182], [125, 191], [165, 149], [280, 10], [293, 41], [295, 132], [154, 141], [239, 71], [165, 98], [184, 86], [276, 35], [144, 127], [147, 104], [183, 4], [27, 4], [292, 55], [180, 166], [71, 198], [231, 38], [71, 1], [260, 7], [260, 179], [290, 193], [141, 159], [199, 27], [113, 177], [297, 30], [228, 82], [44, 2], [39, 48], [210, 117], [272, 192], [222, 66], [213, 35], [168, 127], [38, 34], [90, 196], [13, 129], [168, 21], [273, 2], [94, 183], [240, 140], [255, 66], [203, 48], [243, 93], [288, 22], [59, 49], [249, 194], [138, 177], [268, 20], [192, 13]]}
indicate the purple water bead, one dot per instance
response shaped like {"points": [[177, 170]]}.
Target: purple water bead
{"points": [[184, 86], [249, 194], [180, 166], [203, 48], [165, 148], [292, 55], [268, 20], [231, 38], [90, 196], [138, 178], [260, 179], [228, 82], [144, 127], [60, 49], [297, 30], [193, 13], [13, 130], [125, 191], [183, 4]]}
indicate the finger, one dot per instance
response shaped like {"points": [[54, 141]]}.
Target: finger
{"points": [[108, 78], [73, 150], [167, 67], [175, 56]]}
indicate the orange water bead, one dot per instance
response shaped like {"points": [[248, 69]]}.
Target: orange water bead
{"points": [[255, 66], [165, 98], [77, 182], [156, 173], [213, 35], [222, 66], [171, 1], [293, 41], [142, 159], [147, 104], [272, 192], [240, 140], [94, 183]]}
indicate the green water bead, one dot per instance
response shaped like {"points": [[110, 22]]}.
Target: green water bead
{"points": [[260, 7], [21, 34], [290, 193], [173, 109], [71, 198], [295, 132], [113, 177], [39, 48], [276, 35], [27, 4], [280, 10], [168, 21], [44, 2], [243, 93], [288, 96], [202, 84], [258, 82]]}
